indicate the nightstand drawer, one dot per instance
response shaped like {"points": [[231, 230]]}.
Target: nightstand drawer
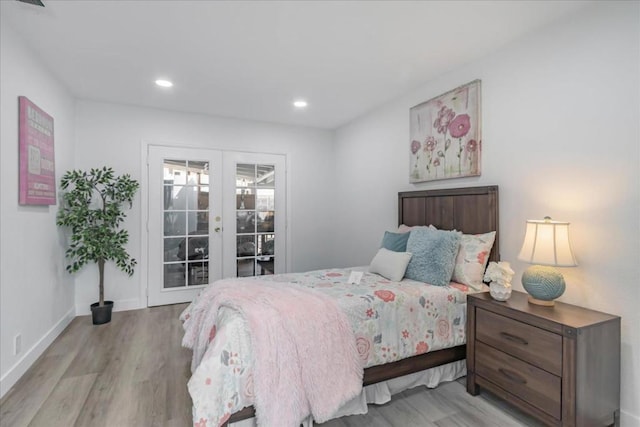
{"points": [[534, 345], [533, 385]]}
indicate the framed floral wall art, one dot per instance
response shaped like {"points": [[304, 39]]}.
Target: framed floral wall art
{"points": [[446, 136]]}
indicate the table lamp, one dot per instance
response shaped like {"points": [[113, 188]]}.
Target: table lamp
{"points": [[546, 244]]}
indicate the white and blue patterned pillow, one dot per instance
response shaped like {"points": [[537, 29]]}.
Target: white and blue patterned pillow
{"points": [[434, 255], [472, 259]]}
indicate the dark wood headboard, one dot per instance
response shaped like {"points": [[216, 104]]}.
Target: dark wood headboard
{"points": [[472, 210]]}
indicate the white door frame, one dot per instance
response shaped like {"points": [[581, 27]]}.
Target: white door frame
{"points": [[143, 265]]}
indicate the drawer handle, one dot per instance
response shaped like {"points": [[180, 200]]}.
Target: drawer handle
{"points": [[514, 338], [512, 376]]}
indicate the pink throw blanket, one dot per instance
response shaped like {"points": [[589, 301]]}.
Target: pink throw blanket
{"points": [[306, 361]]}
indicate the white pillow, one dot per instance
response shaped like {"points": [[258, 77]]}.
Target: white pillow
{"points": [[389, 264]]}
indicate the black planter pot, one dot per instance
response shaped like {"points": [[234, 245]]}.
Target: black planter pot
{"points": [[101, 315]]}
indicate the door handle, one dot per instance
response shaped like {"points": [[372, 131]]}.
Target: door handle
{"points": [[217, 229]]}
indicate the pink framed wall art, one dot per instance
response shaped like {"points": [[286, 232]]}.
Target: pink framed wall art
{"points": [[37, 160]]}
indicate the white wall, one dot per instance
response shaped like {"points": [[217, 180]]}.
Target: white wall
{"points": [[109, 134], [36, 293], [561, 112]]}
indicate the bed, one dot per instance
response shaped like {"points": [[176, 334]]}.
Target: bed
{"points": [[472, 211]]}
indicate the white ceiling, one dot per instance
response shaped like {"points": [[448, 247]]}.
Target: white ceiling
{"points": [[251, 59]]}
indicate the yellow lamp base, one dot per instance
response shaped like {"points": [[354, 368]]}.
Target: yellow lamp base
{"points": [[537, 301]]}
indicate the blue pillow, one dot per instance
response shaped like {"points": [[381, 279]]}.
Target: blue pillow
{"points": [[396, 242], [434, 255]]}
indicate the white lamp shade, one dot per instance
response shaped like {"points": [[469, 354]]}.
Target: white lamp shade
{"points": [[547, 243]]}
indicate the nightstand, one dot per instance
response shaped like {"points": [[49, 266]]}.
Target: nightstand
{"points": [[560, 364]]}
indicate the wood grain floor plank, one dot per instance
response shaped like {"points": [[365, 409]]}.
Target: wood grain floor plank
{"points": [[401, 412], [65, 402], [134, 372], [117, 366], [23, 401], [372, 419], [482, 407], [429, 402], [102, 345], [506, 410], [72, 338], [467, 419], [178, 401]]}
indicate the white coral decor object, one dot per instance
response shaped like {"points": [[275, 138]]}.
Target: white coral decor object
{"points": [[500, 275], [499, 272], [499, 291]]}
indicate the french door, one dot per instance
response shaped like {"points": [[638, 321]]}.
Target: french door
{"points": [[212, 214], [184, 231], [254, 213]]}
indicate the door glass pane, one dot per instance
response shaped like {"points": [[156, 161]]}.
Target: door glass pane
{"points": [[266, 199], [198, 171], [202, 197], [186, 223], [192, 222], [202, 222], [175, 223], [245, 175], [174, 275], [266, 175], [264, 222], [245, 222], [171, 245], [246, 267], [245, 199], [175, 172], [266, 244], [198, 273], [191, 193], [246, 246], [255, 214], [198, 247], [264, 266], [174, 197]]}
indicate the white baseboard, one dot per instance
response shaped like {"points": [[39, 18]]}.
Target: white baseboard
{"points": [[119, 305], [629, 420], [16, 371]]}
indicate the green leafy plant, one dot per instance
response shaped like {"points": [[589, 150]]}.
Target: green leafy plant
{"points": [[93, 209]]}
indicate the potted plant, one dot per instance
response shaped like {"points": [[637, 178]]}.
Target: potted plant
{"points": [[92, 207]]}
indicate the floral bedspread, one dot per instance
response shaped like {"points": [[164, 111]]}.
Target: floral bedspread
{"points": [[391, 321]]}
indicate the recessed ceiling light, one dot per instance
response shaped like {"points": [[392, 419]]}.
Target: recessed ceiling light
{"points": [[300, 103], [164, 83]]}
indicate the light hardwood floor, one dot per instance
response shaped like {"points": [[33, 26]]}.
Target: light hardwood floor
{"points": [[133, 372]]}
